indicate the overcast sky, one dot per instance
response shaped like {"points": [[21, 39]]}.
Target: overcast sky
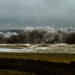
{"points": [[21, 13]]}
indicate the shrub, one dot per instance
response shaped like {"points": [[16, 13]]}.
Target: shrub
{"points": [[71, 38]]}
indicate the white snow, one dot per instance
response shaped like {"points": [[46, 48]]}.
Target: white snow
{"points": [[36, 48], [7, 44], [47, 29], [29, 50], [8, 34], [42, 48], [8, 50], [27, 45], [65, 50], [15, 50], [62, 44], [59, 44]]}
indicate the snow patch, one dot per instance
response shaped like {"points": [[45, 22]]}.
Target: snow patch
{"points": [[27, 45], [42, 48], [9, 50], [65, 50]]}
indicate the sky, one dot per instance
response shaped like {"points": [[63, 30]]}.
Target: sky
{"points": [[22, 13]]}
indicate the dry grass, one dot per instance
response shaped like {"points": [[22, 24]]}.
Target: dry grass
{"points": [[42, 54], [10, 72], [15, 46], [53, 57], [50, 57]]}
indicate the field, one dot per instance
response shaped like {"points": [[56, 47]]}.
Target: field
{"points": [[36, 63], [26, 61], [37, 48], [49, 57]]}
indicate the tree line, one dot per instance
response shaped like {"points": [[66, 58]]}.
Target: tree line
{"points": [[39, 37]]}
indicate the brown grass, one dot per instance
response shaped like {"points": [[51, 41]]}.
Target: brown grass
{"points": [[53, 57], [10, 72]]}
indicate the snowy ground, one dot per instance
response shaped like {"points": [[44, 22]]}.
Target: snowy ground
{"points": [[38, 48]]}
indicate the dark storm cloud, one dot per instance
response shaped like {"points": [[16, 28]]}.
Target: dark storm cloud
{"points": [[20, 13]]}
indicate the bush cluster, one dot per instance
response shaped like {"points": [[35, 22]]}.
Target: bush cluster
{"points": [[40, 37]]}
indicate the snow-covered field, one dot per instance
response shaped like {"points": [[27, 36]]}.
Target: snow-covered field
{"points": [[38, 48]]}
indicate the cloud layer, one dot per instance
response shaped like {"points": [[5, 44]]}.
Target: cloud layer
{"points": [[20, 13]]}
